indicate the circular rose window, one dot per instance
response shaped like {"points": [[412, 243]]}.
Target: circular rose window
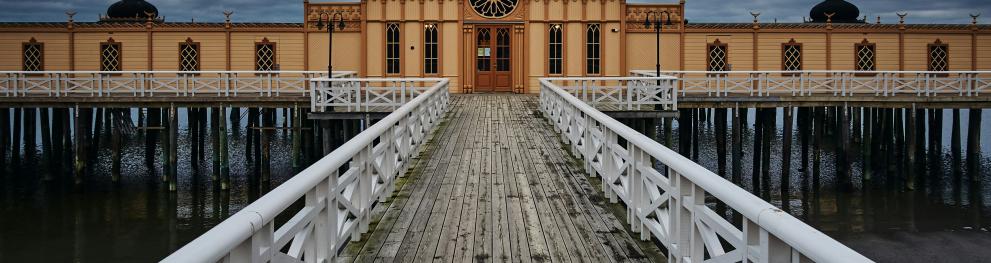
{"points": [[493, 8]]}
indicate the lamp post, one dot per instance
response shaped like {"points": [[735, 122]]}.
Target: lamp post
{"points": [[331, 18], [657, 32]]}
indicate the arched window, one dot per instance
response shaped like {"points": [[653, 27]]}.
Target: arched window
{"points": [[392, 48], [593, 54], [716, 58], [865, 55], [33, 56], [430, 49], [189, 55], [110, 55], [791, 56], [265, 56], [939, 56], [555, 53]]}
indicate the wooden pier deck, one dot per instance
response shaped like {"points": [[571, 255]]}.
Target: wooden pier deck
{"points": [[495, 184]]}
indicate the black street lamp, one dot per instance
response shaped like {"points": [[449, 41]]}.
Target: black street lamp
{"points": [[336, 17], [657, 31]]}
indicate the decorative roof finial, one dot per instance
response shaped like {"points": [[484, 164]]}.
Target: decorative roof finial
{"points": [[973, 18], [901, 20], [72, 21], [829, 20], [227, 18], [756, 16], [878, 20]]}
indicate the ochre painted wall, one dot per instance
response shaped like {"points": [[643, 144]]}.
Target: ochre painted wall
{"points": [[361, 48]]}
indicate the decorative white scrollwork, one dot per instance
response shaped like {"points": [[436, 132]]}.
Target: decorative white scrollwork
{"points": [[493, 8]]}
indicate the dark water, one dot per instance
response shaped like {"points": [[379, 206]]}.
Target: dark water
{"points": [[137, 219], [947, 214], [935, 210]]}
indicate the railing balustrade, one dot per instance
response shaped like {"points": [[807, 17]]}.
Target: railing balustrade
{"points": [[366, 94], [829, 83], [623, 93], [159, 83], [671, 206], [339, 192]]}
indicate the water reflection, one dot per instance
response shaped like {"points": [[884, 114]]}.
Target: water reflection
{"points": [[878, 179], [48, 217]]}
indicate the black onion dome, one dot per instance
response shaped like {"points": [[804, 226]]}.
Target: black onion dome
{"points": [[844, 12], [131, 9]]}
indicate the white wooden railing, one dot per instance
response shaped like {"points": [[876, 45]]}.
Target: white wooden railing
{"points": [[339, 191], [831, 83], [623, 93], [159, 83], [366, 94], [671, 206]]}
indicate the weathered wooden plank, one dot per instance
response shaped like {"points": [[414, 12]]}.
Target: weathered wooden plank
{"points": [[495, 184]]}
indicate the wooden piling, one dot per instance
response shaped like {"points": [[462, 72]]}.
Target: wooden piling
{"points": [[4, 138], [297, 140], [769, 133], [758, 151], [974, 142], [79, 136], [152, 123], [30, 138], [685, 133], [215, 142], [192, 124], [117, 119], [788, 120], [67, 146], [225, 177], [46, 144], [95, 136], [268, 123], [817, 132], [843, 174], [737, 146], [911, 149], [15, 145], [173, 127], [955, 149], [720, 132]]}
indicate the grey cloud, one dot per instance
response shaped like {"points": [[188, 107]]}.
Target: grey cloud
{"points": [[920, 11]]}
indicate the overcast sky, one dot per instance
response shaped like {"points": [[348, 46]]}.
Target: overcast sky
{"points": [[920, 11]]}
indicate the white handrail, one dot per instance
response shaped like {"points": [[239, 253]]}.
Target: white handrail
{"points": [[366, 94], [623, 93], [337, 204], [829, 83], [671, 207], [159, 83]]}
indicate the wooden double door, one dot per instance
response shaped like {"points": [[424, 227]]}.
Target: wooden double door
{"points": [[493, 58]]}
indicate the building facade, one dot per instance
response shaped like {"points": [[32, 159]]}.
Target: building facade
{"points": [[492, 45]]}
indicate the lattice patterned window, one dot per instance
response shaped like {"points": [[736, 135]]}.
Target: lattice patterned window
{"points": [[189, 56], [865, 54], [430, 49], [593, 45], [110, 56], [265, 56], [392, 49], [939, 56], [556, 57], [717, 56], [34, 56], [791, 56]]}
